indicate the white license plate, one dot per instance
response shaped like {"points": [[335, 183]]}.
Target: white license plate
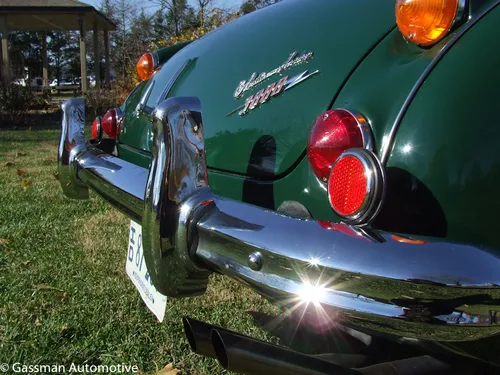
{"points": [[138, 273]]}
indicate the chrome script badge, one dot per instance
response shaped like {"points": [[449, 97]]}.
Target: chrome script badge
{"points": [[274, 89], [255, 78]]}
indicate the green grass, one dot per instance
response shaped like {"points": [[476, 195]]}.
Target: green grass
{"points": [[64, 294]]}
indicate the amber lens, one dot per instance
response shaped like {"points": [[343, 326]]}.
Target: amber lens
{"points": [[425, 21], [145, 66]]}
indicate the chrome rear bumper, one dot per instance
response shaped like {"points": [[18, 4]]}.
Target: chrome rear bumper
{"points": [[374, 280]]}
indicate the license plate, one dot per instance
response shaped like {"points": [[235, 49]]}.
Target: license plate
{"points": [[138, 273]]}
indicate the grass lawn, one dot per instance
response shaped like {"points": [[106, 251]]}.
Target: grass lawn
{"points": [[64, 294]]}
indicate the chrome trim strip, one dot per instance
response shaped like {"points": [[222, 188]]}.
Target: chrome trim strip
{"points": [[166, 92], [388, 144], [141, 106]]}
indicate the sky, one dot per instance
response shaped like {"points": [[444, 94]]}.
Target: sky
{"points": [[233, 4]]}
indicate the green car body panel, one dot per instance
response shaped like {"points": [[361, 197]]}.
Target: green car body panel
{"points": [[447, 143], [220, 60], [260, 158]]}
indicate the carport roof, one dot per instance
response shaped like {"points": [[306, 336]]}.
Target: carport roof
{"points": [[51, 15]]}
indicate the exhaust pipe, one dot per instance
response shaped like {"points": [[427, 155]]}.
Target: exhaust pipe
{"points": [[198, 336], [249, 356], [253, 357]]}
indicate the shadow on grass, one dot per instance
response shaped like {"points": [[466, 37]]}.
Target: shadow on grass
{"points": [[39, 121], [33, 135]]}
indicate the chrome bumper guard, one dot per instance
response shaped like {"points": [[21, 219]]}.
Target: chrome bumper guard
{"points": [[429, 290]]}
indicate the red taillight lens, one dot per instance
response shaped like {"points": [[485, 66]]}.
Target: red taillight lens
{"points": [[356, 186], [333, 132], [96, 128], [109, 123], [347, 186]]}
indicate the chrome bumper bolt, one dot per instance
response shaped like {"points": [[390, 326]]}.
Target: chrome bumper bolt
{"points": [[255, 261]]}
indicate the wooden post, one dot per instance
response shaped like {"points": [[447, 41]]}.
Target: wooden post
{"points": [[5, 51], [45, 65], [106, 57], [83, 54], [97, 56]]}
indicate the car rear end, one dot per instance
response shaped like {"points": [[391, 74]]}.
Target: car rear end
{"points": [[268, 151]]}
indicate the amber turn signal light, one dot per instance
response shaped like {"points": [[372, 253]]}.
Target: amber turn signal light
{"points": [[425, 22], [146, 66]]}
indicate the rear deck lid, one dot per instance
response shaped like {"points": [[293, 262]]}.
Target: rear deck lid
{"points": [[309, 48]]}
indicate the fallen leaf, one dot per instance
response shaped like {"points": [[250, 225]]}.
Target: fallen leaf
{"points": [[48, 160], [61, 296], [167, 370], [25, 184], [19, 153], [3, 243], [9, 164], [22, 173]]}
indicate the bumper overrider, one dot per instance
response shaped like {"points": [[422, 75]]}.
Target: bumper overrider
{"points": [[428, 290]]}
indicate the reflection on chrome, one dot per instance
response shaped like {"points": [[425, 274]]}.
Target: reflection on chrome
{"points": [[314, 261], [312, 293], [460, 317]]}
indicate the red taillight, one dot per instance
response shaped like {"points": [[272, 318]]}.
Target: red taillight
{"points": [[334, 132], [347, 186], [356, 186], [109, 123], [96, 128]]}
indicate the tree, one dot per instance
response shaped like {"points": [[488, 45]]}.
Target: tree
{"points": [[203, 7], [26, 46], [249, 6], [64, 54]]}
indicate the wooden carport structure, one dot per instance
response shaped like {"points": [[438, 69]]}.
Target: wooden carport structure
{"points": [[55, 15]]}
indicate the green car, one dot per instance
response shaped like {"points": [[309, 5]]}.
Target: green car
{"points": [[338, 157]]}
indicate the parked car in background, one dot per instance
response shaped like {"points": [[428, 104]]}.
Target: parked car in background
{"points": [[36, 82], [19, 82], [91, 81], [338, 157], [68, 82]]}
